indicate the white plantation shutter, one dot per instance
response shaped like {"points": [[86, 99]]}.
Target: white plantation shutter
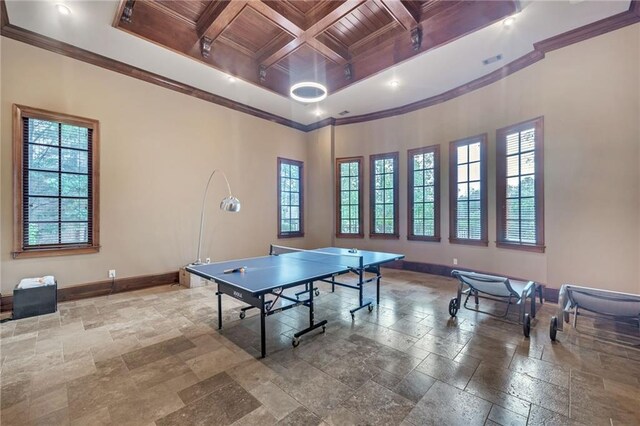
{"points": [[519, 180], [468, 193]]}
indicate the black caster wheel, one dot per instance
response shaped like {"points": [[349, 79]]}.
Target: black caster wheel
{"points": [[298, 296], [526, 325], [553, 328], [242, 315], [353, 316], [453, 307], [566, 317], [295, 342], [370, 307], [317, 293], [324, 328]]}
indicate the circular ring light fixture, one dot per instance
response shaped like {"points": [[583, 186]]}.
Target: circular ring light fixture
{"points": [[308, 92]]}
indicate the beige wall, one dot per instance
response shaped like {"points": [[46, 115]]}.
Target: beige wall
{"points": [[589, 96], [157, 150], [320, 188]]}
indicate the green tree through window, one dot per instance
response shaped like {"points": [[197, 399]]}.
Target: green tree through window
{"points": [[423, 193], [57, 199], [290, 198], [384, 195], [349, 197]]}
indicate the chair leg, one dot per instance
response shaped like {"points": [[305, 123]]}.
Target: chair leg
{"points": [[475, 295], [466, 299], [533, 305], [575, 317]]}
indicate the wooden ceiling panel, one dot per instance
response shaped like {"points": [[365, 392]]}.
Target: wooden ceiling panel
{"points": [[274, 43], [191, 10], [253, 31], [153, 24], [360, 23]]}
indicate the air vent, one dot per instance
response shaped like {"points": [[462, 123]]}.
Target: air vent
{"points": [[492, 59], [345, 112]]}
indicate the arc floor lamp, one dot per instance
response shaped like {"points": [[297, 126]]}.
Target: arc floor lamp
{"points": [[228, 204]]}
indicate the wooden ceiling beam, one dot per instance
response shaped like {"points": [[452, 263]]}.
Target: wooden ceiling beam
{"points": [[309, 35], [278, 18], [336, 57], [400, 13], [217, 16]]}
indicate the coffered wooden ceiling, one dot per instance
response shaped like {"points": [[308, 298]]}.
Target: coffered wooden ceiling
{"points": [[275, 44]]}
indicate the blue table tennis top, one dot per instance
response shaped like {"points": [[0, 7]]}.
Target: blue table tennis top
{"points": [[263, 274]]}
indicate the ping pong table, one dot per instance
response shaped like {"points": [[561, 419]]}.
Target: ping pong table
{"points": [[260, 281]]}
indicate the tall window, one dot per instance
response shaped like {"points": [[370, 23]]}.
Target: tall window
{"points": [[468, 191], [290, 198], [56, 183], [423, 193], [349, 197], [384, 196], [520, 190]]}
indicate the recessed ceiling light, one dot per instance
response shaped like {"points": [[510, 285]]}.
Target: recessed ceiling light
{"points": [[308, 92], [231, 79], [63, 9], [318, 112], [509, 21], [394, 83]]}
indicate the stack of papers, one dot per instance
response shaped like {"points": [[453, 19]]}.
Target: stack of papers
{"points": [[37, 282]]}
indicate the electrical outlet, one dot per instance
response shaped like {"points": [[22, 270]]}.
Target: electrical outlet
{"points": [[455, 260], [112, 273], [207, 260]]}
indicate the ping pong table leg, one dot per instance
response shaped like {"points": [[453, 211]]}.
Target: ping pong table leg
{"points": [[311, 318], [263, 341], [360, 285], [378, 285], [219, 310], [333, 284]]}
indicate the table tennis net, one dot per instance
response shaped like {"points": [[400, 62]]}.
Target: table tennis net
{"points": [[347, 260]]}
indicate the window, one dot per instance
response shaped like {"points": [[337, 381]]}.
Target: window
{"points": [[349, 197], [423, 193], [55, 183], [468, 191], [519, 184], [290, 198], [384, 196]]}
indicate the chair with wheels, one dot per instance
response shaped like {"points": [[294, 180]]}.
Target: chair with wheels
{"points": [[496, 288], [609, 304]]}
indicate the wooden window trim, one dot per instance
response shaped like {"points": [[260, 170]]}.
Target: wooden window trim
{"points": [[19, 251], [360, 161], [435, 149], [299, 233], [501, 172], [372, 176], [453, 190]]}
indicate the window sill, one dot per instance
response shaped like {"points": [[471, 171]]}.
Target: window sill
{"points": [[349, 235], [24, 254], [480, 243], [292, 235], [384, 236], [421, 238], [524, 247]]}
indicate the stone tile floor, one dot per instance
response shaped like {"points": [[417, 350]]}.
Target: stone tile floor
{"points": [[155, 357]]}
